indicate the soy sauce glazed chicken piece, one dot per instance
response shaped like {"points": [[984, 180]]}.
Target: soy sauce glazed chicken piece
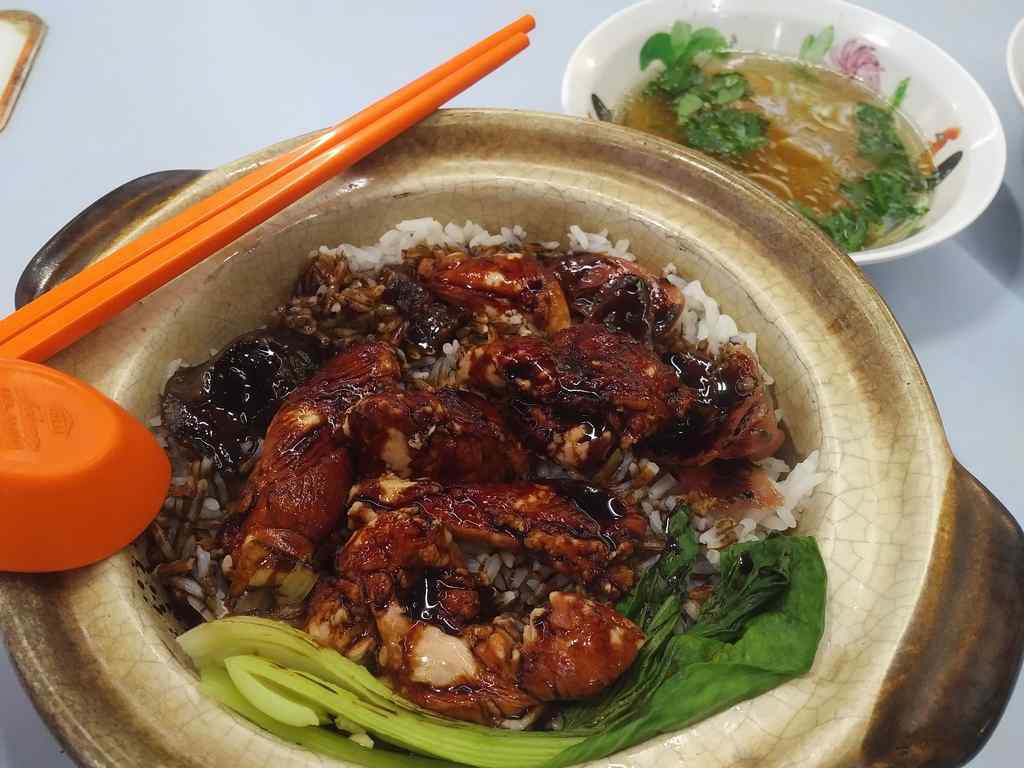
{"points": [[619, 294], [297, 491], [578, 529], [450, 435], [582, 392], [403, 601], [497, 281], [733, 416]]}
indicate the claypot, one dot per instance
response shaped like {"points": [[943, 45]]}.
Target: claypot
{"points": [[925, 616]]}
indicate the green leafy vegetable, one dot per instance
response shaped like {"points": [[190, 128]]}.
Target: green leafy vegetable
{"points": [[686, 106], [899, 94], [847, 226], [726, 87], [703, 675], [703, 40], [636, 685], [654, 604], [287, 663], [726, 132], [215, 683], [666, 577], [751, 580], [680, 36], [885, 199], [814, 47], [679, 47], [888, 196], [877, 139], [678, 81], [657, 48]]}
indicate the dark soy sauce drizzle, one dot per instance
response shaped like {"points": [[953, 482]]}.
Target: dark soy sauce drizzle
{"points": [[604, 508], [626, 307], [718, 389], [424, 601]]}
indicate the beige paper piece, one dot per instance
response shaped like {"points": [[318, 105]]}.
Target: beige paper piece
{"points": [[21, 33]]}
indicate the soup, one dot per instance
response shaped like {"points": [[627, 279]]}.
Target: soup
{"points": [[818, 139]]}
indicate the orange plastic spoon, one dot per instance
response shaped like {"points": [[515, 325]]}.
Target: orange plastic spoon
{"points": [[79, 476]]}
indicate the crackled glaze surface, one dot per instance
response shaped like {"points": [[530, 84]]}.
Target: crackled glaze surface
{"points": [[97, 646]]}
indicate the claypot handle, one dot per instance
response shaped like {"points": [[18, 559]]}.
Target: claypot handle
{"points": [[95, 228], [958, 663]]}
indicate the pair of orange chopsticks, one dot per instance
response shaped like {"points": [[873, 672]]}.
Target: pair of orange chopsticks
{"points": [[77, 306]]}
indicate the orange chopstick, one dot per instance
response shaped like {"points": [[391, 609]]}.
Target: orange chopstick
{"points": [[82, 314], [204, 210]]}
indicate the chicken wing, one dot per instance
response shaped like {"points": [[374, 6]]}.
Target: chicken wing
{"points": [[381, 562], [578, 529], [296, 492], [619, 294], [576, 648], [402, 592], [587, 370], [733, 415], [496, 282], [450, 436]]}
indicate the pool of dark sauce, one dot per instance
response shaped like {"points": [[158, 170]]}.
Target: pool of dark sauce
{"points": [[604, 508], [718, 389], [223, 406], [425, 600]]}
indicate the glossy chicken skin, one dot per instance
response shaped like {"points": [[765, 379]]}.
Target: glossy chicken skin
{"points": [[733, 415], [572, 440], [380, 561], [401, 591], [619, 294], [586, 370], [578, 529], [497, 282], [575, 648], [296, 493], [450, 436], [471, 676]]}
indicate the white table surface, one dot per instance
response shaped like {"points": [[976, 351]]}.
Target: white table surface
{"points": [[124, 88]]}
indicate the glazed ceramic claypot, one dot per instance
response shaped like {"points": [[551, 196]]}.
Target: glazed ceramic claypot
{"points": [[925, 611]]}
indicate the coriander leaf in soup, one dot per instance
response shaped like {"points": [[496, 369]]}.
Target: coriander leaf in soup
{"points": [[899, 94], [686, 105], [877, 139], [726, 132], [703, 675], [888, 197], [727, 87], [704, 40], [680, 36], [657, 48], [678, 79], [846, 226], [814, 47]]}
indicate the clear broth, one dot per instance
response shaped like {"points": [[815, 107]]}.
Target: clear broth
{"points": [[812, 136]]}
